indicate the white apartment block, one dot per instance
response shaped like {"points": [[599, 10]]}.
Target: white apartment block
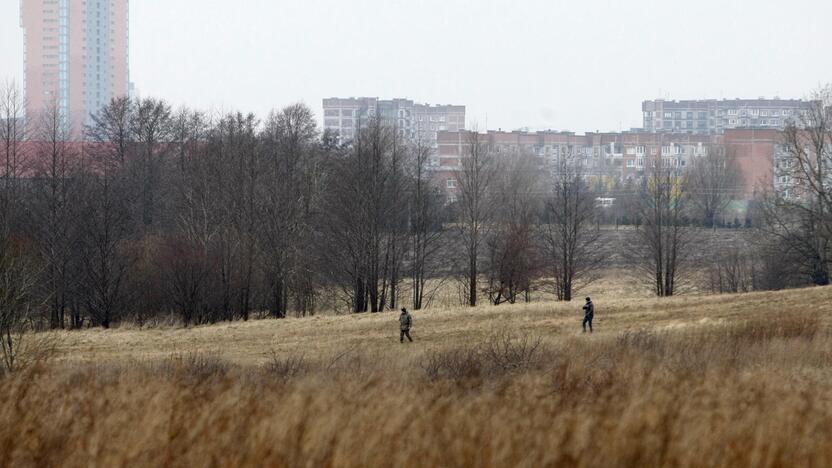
{"points": [[415, 121], [715, 116]]}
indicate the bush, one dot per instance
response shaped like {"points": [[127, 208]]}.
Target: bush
{"points": [[500, 353], [285, 367]]}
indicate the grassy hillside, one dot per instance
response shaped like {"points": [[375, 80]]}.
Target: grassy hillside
{"points": [[742, 380], [255, 342]]}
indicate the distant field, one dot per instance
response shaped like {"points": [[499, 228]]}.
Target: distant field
{"points": [[739, 380], [620, 307]]}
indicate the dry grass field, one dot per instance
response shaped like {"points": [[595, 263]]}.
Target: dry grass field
{"points": [[734, 380]]}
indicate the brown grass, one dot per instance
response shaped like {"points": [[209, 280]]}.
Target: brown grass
{"points": [[738, 380]]}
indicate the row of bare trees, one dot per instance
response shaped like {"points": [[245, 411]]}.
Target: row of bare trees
{"points": [[521, 229], [218, 217], [211, 217]]}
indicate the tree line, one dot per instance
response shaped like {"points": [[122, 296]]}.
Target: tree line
{"points": [[219, 217]]}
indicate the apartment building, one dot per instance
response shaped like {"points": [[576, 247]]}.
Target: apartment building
{"points": [[76, 54], [415, 121], [612, 158], [710, 116]]}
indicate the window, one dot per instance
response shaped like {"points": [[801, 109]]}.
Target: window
{"points": [[346, 112], [331, 113], [451, 183], [668, 115], [732, 112], [631, 163]]}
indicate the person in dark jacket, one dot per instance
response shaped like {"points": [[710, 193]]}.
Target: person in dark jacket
{"points": [[405, 322], [589, 313]]}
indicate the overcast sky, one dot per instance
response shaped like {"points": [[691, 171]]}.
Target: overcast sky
{"points": [[580, 65]]}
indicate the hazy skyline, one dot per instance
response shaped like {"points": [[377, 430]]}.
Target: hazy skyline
{"points": [[540, 64]]}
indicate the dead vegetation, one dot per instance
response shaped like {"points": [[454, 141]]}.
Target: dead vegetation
{"points": [[737, 380]]}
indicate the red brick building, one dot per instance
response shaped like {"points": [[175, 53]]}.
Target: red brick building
{"points": [[611, 157], [754, 151]]}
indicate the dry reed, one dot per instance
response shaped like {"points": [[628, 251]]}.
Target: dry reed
{"points": [[753, 391]]}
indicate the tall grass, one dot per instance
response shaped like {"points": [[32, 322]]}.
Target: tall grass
{"points": [[755, 393]]}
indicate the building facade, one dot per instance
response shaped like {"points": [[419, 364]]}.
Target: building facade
{"points": [[76, 56], [611, 159], [417, 122], [710, 116]]}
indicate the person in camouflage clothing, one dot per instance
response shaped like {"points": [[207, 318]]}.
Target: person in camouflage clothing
{"points": [[405, 322]]}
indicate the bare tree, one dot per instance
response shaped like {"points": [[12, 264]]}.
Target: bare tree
{"points": [[151, 132], [290, 193], [57, 193], [570, 235], [13, 156], [111, 131], [425, 233], [240, 149], [187, 263], [363, 217], [513, 259], [715, 181], [798, 211], [663, 252], [731, 269], [107, 225], [17, 271], [476, 176]]}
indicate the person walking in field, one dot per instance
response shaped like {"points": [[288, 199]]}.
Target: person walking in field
{"points": [[405, 322], [589, 313]]}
